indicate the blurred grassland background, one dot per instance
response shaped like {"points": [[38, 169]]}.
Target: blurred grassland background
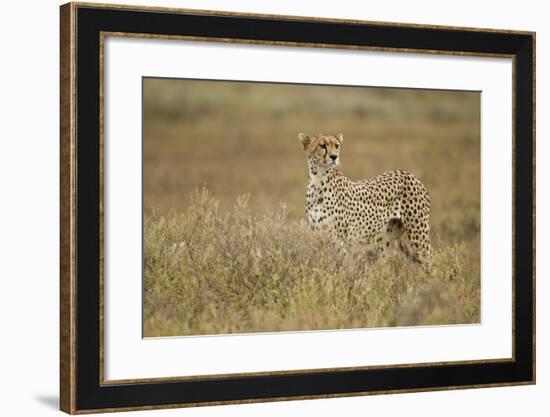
{"points": [[206, 143]]}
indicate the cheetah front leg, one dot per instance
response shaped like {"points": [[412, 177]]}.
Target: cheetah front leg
{"points": [[337, 238]]}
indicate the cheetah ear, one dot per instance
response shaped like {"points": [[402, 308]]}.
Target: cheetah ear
{"points": [[304, 140], [340, 138]]}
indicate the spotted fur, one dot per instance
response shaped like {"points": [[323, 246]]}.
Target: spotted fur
{"points": [[387, 212]]}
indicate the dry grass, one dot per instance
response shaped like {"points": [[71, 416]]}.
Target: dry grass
{"points": [[213, 265], [207, 272]]}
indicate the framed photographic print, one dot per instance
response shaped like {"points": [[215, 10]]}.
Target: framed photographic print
{"points": [[264, 208]]}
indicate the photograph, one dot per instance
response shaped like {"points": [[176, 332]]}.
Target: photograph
{"points": [[279, 207], [267, 205]]}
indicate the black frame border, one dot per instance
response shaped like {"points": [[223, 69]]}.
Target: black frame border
{"points": [[90, 395]]}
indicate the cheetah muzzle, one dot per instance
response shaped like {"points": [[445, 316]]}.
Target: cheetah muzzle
{"points": [[387, 212]]}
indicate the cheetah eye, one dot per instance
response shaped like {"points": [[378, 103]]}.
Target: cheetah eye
{"points": [[337, 146], [324, 146]]}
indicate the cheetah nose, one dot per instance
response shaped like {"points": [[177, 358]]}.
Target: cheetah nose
{"points": [[333, 157]]}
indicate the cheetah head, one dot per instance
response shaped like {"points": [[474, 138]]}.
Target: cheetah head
{"points": [[323, 151]]}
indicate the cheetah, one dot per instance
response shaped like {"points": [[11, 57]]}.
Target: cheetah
{"points": [[386, 213]]}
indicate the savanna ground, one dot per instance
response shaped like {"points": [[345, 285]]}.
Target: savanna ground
{"points": [[226, 247]]}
